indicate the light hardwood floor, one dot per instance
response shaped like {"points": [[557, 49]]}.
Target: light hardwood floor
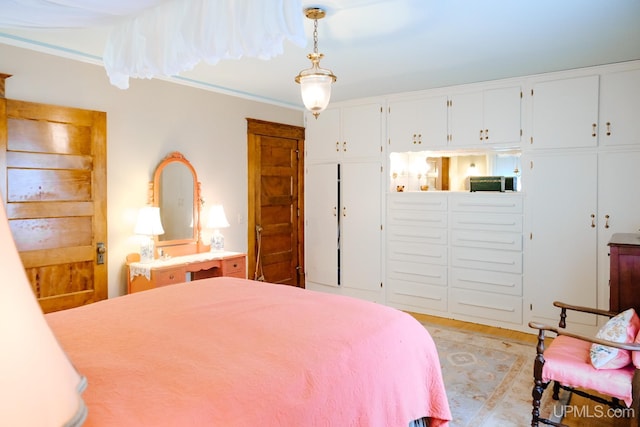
{"points": [[585, 406]]}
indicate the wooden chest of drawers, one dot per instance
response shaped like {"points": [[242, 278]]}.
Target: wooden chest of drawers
{"points": [[624, 272]]}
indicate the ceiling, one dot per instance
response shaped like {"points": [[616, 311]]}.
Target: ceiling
{"points": [[378, 47]]}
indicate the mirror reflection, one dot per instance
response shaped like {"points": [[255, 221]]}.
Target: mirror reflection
{"points": [[176, 191], [450, 171], [176, 202]]}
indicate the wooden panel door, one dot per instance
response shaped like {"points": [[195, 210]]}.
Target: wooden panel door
{"points": [[55, 196], [275, 202]]}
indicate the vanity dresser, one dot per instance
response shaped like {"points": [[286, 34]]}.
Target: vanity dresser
{"points": [[180, 255], [169, 271]]}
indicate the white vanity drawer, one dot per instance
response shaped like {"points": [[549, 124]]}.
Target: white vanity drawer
{"points": [[418, 234], [487, 221], [478, 202], [487, 239], [417, 252], [486, 259], [486, 281], [418, 295], [505, 308], [418, 201], [415, 218], [418, 273]]}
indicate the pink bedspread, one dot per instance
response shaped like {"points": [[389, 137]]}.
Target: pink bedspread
{"points": [[233, 352]]}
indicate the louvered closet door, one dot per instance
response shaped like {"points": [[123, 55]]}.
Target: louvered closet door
{"points": [[56, 200]]}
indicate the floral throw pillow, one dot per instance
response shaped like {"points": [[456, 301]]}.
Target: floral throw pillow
{"points": [[621, 328]]}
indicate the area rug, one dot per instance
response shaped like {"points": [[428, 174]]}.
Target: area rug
{"points": [[489, 379]]}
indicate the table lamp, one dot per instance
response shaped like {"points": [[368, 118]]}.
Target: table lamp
{"points": [[38, 383], [217, 220], [148, 225]]}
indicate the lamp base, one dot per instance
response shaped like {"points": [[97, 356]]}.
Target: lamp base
{"points": [[147, 251], [217, 242]]}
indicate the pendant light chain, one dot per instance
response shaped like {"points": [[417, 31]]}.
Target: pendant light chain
{"points": [[315, 36]]}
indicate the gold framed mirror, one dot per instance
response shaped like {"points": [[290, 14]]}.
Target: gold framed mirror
{"points": [[176, 191]]}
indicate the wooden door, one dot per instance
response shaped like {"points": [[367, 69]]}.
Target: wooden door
{"points": [[276, 214], [54, 162]]}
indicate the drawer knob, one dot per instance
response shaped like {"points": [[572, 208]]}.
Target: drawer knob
{"points": [[171, 276]]}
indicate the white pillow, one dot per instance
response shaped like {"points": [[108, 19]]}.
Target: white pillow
{"points": [[621, 328]]}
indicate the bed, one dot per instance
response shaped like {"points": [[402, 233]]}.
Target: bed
{"points": [[235, 352]]}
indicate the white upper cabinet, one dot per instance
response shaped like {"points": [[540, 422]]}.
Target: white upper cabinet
{"points": [[322, 135], [465, 114], [490, 116], [565, 113], [503, 115], [417, 124], [362, 131], [620, 108], [352, 132]]}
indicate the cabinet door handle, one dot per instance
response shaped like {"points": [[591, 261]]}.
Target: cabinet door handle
{"points": [[606, 222], [171, 277], [481, 131], [344, 211], [337, 145], [593, 133], [608, 128], [419, 138], [344, 146], [335, 211], [593, 221], [486, 134]]}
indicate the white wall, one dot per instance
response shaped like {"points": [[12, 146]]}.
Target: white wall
{"points": [[145, 123]]}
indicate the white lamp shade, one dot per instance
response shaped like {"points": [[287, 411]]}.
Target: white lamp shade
{"points": [[149, 223], [316, 91], [39, 385], [217, 219]]}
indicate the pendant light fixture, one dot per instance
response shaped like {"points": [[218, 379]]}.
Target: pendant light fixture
{"points": [[315, 82]]}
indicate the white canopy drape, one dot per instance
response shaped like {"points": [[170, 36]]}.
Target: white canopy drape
{"points": [[165, 37]]}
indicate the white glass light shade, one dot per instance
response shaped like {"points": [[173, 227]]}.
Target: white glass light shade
{"points": [[39, 385], [316, 92], [149, 223]]}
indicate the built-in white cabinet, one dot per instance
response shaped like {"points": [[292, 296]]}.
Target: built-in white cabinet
{"points": [[565, 112], [343, 208], [345, 133], [620, 108], [494, 258], [561, 235], [570, 226], [417, 251], [417, 124], [486, 256], [489, 116]]}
